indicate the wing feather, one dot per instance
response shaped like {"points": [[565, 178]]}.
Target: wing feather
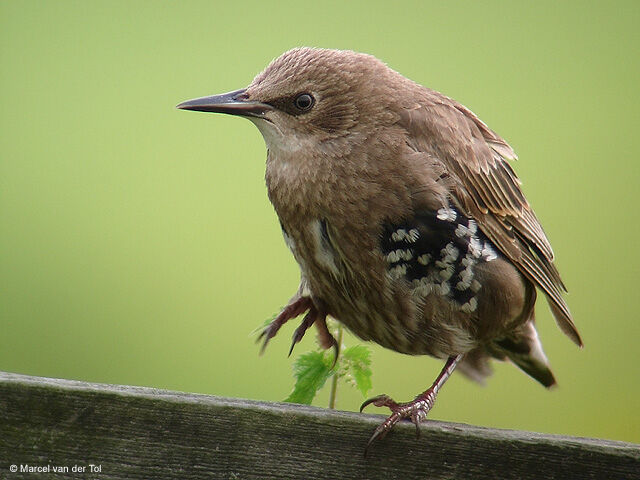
{"points": [[487, 189]]}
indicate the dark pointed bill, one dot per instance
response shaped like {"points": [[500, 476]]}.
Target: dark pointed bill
{"points": [[233, 103]]}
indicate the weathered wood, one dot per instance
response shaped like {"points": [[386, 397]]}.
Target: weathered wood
{"points": [[144, 433]]}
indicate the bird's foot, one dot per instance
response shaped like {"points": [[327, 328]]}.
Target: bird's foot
{"points": [[326, 340], [296, 307], [416, 411]]}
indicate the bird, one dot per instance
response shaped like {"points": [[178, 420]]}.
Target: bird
{"points": [[405, 216]]}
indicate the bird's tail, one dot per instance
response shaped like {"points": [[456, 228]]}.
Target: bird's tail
{"points": [[523, 348]]}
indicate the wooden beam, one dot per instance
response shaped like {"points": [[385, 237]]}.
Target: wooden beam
{"points": [[144, 433]]}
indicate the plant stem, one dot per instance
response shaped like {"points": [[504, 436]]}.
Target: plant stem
{"points": [[334, 380]]}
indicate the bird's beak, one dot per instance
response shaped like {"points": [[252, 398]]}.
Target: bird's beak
{"points": [[233, 103]]}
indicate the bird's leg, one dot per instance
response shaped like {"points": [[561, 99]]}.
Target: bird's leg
{"points": [[297, 306], [416, 410]]}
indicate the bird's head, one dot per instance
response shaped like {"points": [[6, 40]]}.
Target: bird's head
{"points": [[311, 96]]}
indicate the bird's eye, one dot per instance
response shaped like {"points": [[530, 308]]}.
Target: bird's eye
{"points": [[304, 102]]}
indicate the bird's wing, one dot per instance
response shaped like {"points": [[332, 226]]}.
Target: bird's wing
{"points": [[486, 188]]}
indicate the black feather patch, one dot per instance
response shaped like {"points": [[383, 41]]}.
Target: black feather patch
{"points": [[437, 252]]}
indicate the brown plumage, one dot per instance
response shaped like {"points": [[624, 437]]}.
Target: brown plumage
{"points": [[407, 221]]}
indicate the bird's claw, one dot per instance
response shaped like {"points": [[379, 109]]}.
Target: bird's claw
{"points": [[296, 307], [268, 333], [326, 340], [416, 411], [336, 353], [307, 321], [380, 401]]}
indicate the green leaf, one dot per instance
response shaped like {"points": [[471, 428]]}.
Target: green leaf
{"points": [[357, 364], [311, 371]]}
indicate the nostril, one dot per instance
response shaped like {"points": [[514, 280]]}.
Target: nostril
{"points": [[242, 95]]}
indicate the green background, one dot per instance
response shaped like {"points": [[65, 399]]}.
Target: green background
{"points": [[137, 244]]}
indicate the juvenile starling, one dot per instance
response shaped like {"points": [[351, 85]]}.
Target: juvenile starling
{"points": [[404, 215]]}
